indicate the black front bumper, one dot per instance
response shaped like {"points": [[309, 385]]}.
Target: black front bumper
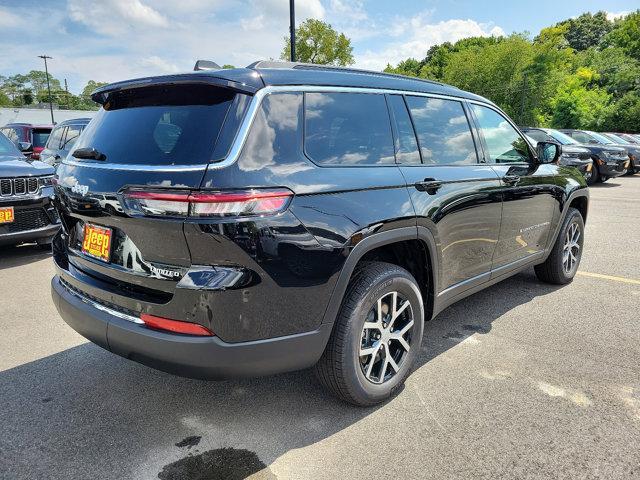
{"points": [[35, 219], [185, 355], [613, 170]]}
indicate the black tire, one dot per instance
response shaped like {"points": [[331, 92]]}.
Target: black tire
{"points": [[554, 269], [594, 175], [340, 368], [595, 178]]}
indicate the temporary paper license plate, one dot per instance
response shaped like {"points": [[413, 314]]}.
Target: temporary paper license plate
{"points": [[97, 242], [6, 215]]}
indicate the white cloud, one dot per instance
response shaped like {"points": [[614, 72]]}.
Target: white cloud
{"points": [[419, 35], [114, 17], [615, 16], [9, 19], [158, 64]]}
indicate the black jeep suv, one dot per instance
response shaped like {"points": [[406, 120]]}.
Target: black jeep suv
{"points": [[26, 192], [281, 216], [609, 160]]}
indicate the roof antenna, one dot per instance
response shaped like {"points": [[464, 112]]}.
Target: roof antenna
{"points": [[206, 65], [292, 29]]}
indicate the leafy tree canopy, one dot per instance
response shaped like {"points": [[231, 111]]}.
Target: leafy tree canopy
{"points": [[318, 42]]}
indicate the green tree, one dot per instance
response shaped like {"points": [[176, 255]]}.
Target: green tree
{"points": [[318, 42], [579, 103], [624, 116], [587, 30], [409, 67], [626, 35], [494, 71]]}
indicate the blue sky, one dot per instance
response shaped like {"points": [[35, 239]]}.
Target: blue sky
{"points": [[110, 40]]}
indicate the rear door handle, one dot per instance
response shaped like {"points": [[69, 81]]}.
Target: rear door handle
{"points": [[511, 179], [429, 185]]}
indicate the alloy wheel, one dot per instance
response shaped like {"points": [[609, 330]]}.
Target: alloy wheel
{"points": [[386, 337], [571, 249]]}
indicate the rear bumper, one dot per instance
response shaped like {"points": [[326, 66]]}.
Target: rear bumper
{"points": [[184, 355]]}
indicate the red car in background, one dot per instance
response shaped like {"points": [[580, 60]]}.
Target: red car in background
{"points": [[29, 138]]}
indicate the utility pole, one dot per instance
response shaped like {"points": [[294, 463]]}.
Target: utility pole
{"points": [[292, 28], [46, 71], [66, 89]]}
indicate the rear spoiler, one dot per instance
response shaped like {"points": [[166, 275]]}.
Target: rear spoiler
{"points": [[241, 80]]}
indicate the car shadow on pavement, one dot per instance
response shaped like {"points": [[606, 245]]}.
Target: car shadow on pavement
{"points": [[85, 413], [608, 184], [17, 256]]}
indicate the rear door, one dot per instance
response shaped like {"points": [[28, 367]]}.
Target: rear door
{"points": [[454, 196], [530, 191], [154, 140]]}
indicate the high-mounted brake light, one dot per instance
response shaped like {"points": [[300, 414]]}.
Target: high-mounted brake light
{"points": [[175, 326], [206, 204]]}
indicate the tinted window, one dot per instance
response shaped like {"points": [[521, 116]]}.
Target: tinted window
{"points": [[563, 138], [443, 131], [504, 143], [274, 138], [55, 138], [7, 147], [582, 137], [40, 137], [539, 136], [348, 129], [12, 134], [168, 125], [73, 132], [406, 144]]}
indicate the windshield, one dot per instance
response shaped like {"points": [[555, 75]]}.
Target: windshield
{"points": [[600, 138], [562, 138], [7, 147], [159, 125], [616, 138]]}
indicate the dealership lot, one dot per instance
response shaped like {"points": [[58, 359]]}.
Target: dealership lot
{"points": [[523, 379]]}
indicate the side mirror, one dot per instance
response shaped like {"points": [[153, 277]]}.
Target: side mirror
{"points": [[548, 152], [24, 146]]}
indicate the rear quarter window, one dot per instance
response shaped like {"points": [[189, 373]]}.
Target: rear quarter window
{"points": [[160, 125], [347, 129]]}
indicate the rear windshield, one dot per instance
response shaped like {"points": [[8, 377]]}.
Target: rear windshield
{"points": [[160, 125], [40, 136]]}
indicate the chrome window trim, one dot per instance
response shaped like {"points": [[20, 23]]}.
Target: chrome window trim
{"points": [[247, 122]]}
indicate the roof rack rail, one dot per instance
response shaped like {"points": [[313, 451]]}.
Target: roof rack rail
{"points": [[330, 68]]}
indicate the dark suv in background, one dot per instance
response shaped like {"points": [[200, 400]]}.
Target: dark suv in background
{"points": [[281, 216], [573, 154], [29, 138], [62, 138], [26, 190], [610, 160], [632, 147]]}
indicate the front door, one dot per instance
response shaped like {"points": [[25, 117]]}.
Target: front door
{"points": [[453, 195], [529, 190]]}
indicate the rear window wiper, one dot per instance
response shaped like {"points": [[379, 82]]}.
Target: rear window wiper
{"points": [[88, 153]]}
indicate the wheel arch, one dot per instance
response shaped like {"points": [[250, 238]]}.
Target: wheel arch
{"points": [[579, 199], [384, 244]]}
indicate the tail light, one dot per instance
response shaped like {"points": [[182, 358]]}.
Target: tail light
{"points": [[175, 326], [206, 204]]}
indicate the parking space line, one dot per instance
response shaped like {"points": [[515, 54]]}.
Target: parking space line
{"points": [[609, 277]]}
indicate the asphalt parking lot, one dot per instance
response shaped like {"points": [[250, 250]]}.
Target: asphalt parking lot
{"points": [[520, 380]]}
